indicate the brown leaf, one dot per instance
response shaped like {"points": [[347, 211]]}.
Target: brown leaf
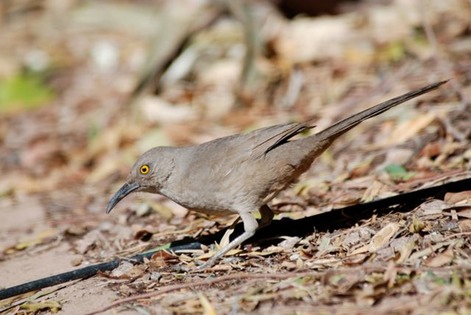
{"points": [[411, 128], [357, 259], [454, 198], [464, 212], [406, 250], [207, 306], [289, 242], [433, 206], [345, 281], [162, 258], [417, 225], [34, 308], [127, 270], [431, 150], [441, 259], [372, 191], [390, 274], [382, 238], [465, 225]]}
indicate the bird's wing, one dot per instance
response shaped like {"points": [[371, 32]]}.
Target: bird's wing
{"points": [[264, 140]]}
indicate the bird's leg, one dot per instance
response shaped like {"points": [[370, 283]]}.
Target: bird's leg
{"points": [[250, 226], [266, 215]]}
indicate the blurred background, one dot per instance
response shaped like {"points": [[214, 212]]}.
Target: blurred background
{"points": [[87, 86]]}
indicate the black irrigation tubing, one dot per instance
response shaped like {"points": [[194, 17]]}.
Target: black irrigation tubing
{"points": [[83, 273], [333, 219]]}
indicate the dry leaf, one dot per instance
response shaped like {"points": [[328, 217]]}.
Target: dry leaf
{"points": [[465, 225], [324, 245], [289, 242], [429, 250], [382, 238], [122, 270], [441, 259], [417, 225], [40, 238], [208, 308], [355, 259], [433, 206], [411, 128], [464, 212], [406, 250], [390, 274], [454, 198], [372, 191], [360, 250], [210, 254], [34, 308], [432, 149]]}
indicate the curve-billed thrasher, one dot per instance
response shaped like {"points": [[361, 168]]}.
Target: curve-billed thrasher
{"points": [[240, 173]]}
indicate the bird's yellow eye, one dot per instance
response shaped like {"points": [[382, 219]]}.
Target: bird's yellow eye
{"points": [[144, 169]]}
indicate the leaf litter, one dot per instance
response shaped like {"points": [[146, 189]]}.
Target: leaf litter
{"points": [[70, 153]]}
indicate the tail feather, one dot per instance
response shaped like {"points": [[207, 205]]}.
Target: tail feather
{"points": [[343, 126]]}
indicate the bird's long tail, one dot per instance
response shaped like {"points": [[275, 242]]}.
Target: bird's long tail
{"points": [[339, 128]]}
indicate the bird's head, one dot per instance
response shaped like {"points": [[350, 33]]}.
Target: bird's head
{"points": [[148, 174]]}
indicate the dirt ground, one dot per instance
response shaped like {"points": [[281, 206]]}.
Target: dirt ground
{"points": [[86, 87]]}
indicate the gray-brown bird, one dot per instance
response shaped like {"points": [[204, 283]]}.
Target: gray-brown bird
{"points": [[240, 173]]}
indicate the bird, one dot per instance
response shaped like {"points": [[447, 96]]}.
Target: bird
{"points": [[241, 173]]}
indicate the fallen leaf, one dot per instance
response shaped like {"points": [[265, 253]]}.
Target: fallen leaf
{"points": [[433, 206], [431, 150], [411, 128], [465, 225], [34, 308], [76, 261], [211, 254], [464, 212], [398, 172], [372, 191], [416, 225], [40, 239], [390, 274], [429, 250], [127, 270], [324, 245], [289, 242], [454, 198], [360, 250], [289, 265], [357, 259], [382, 238], [441, 259], [208, 308], [406, 250], [266, 252]]}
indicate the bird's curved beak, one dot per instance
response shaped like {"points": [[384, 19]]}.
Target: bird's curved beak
{"points": [[125, 190]]}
